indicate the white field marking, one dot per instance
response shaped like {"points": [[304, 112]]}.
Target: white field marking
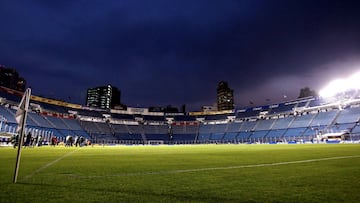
{"points": [[219, 168], [49, 164]]}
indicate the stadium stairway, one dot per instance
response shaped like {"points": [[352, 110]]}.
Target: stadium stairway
{"points": [[333, 122], [143, 136]]}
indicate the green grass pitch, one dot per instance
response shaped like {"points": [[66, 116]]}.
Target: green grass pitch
{"points": [[183, 173]]}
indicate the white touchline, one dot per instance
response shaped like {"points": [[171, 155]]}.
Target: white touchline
{"points": [[222, 168], [49, 164]]}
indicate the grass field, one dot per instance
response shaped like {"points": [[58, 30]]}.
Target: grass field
{"points": [[200, 173]]}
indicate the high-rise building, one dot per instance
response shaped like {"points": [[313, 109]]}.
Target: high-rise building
{"points": [[104, 97], [10, 78], [225, 97]]}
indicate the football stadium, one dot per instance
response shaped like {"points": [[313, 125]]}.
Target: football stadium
{"points": [[303, 150]]}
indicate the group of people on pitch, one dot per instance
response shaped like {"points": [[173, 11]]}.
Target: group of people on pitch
{"points": [[29, 140], [78, 141]]}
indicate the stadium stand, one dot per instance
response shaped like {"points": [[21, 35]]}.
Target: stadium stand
{"points": [[5, 112], [264, 124], [301, 120], [230, 137], [184, 118], [283, 123], [183, 132], [281, 108], [234, 126]]}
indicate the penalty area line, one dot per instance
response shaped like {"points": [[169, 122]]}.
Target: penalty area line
{"points": [[223, 168], [49, 164]]}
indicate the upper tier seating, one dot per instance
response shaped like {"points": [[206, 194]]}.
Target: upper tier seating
{"points": [[323, 118], [349, 115], [302, 121]]}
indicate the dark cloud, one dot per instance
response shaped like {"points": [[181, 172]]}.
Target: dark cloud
{"points": [[175, 52]]}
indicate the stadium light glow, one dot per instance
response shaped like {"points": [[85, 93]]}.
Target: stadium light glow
{"points": [[341, 85]]}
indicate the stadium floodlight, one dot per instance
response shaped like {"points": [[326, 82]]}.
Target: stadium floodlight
{"points": [[333, 88], [341, 85], [354, 81]]}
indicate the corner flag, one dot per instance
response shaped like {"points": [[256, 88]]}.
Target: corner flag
{"points": [[20, 118]]}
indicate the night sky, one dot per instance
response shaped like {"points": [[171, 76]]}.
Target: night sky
{"points": [[164, 52]]}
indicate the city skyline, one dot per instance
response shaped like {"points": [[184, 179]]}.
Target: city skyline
{"points": [[162, 53]]}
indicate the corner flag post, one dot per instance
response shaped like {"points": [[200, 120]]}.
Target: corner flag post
{"points": [[20, 118]]}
